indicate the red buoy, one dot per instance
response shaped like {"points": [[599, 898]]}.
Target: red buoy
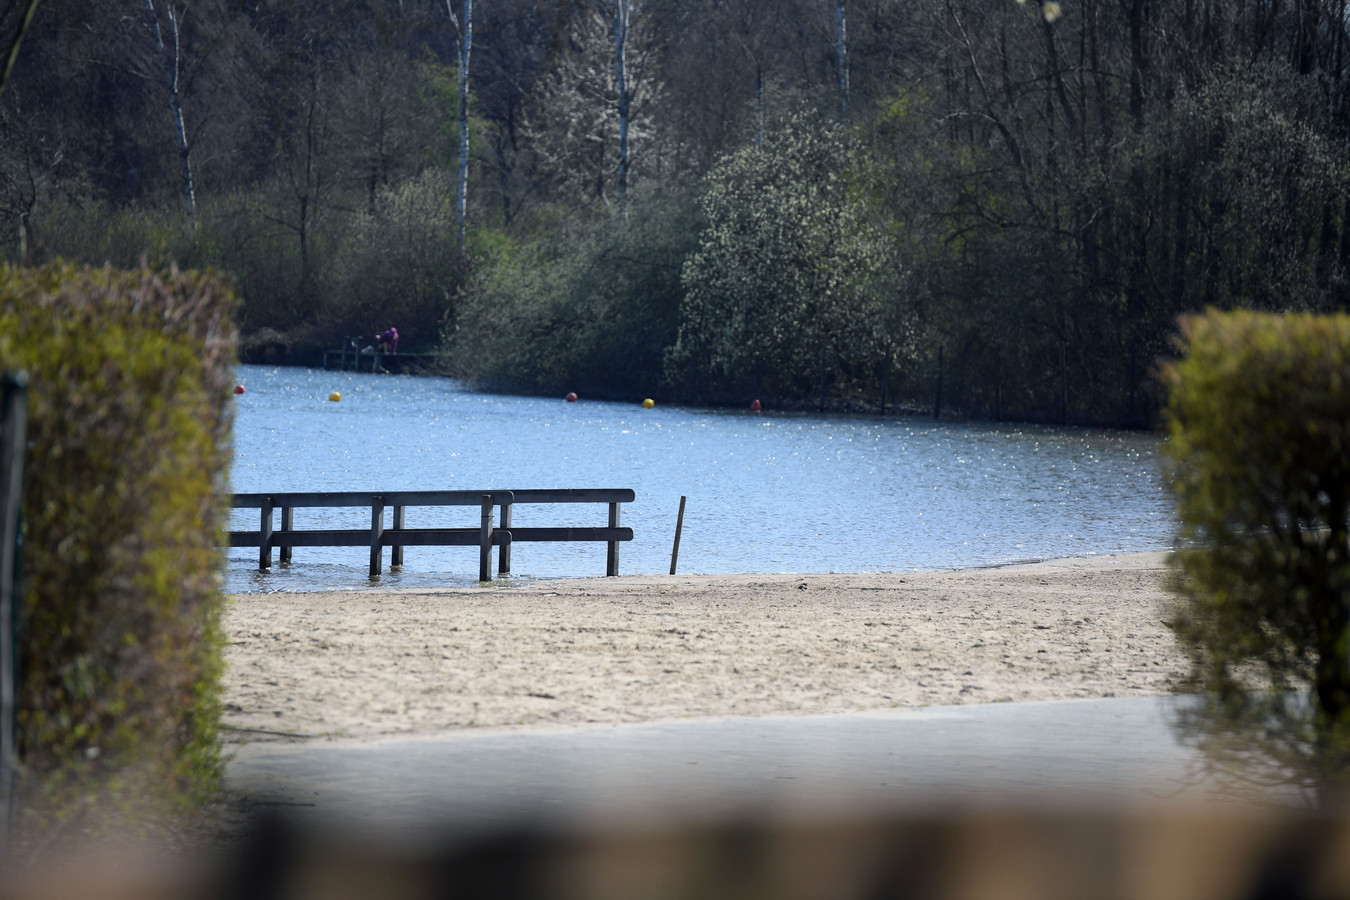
{"points": [[754, 405], [238, 388], [571, 397]]}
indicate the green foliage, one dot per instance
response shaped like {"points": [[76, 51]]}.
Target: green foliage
{"points": [[1235, 200], [591, 308], [437, 97], [437, 104], [1038, 196], [398, 264], [789, 268], [89, 229], [1259, 421], [119, 696]]}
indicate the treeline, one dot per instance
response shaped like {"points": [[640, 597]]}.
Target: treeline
{"points": [[810, 201]]}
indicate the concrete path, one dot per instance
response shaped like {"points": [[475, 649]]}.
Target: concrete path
{"points": [[1075, 752]]}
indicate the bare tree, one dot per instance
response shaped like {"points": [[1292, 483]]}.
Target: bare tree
{"points": [[841, 37], [518, 41], [629, 75], [463, 46], [594, 101], [171, 70], [25, 229], [621, 12]]}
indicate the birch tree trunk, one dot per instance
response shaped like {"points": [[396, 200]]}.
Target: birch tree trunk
{"points": [[15, 40], [175, 107], [759, 104], [463, 49], [621, 82], [843, 56]]}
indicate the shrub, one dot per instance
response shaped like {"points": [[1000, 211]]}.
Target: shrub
{"points": [[398, 265], [121, 644], [789, 272], [591, 307], [1259, 421]]}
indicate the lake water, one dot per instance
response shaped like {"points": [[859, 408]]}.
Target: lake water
{"points": [[767, 492]]}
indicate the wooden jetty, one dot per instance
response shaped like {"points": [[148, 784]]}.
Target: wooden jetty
{"points": [[377, 537], [350, 356]]}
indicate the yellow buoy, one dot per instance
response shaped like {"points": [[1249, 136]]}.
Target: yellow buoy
{"points": [[648, 403], [335, 396]]}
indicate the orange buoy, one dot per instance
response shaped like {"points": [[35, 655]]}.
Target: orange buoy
{"points": [[571, 397], [648, 403], [335, 397], [238, 388], [754, 405]]}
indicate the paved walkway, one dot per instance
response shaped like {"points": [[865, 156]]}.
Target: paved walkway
{"points": [[1078, 752]]}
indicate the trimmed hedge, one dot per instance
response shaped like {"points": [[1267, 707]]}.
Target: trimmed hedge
{"points": [[124, 502], [1259, 421]]}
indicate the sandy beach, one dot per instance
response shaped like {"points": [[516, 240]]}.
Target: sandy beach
{"points": [[653, 647]]}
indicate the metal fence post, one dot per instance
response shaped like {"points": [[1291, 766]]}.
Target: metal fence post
{"points": [[13, 438]]}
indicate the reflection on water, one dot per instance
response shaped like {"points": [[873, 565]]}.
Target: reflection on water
{"points": [[767, 493]]}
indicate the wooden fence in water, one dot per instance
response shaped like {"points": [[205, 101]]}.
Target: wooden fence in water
{"points": [[377, 537]]}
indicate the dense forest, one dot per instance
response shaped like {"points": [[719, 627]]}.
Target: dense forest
{"points": [[998, 205]]}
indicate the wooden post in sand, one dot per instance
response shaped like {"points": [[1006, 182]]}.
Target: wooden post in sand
{"points": [[679, 526]]}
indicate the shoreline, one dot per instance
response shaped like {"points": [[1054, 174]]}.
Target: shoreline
{"points": [[513, 581], [579, 651]]}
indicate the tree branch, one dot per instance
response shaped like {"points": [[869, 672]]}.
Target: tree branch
{"points": [[20, 30]]}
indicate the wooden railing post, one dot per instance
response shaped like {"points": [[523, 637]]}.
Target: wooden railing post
{"points": [[612, 558], [287, 524], [396, 551], [504, 551], [485, 541], [376, 535], [265, 536]]}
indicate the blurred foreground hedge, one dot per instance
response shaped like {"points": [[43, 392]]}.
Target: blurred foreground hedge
{"points": [[1259, 422], [129, 430]]}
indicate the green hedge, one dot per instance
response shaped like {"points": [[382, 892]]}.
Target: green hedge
{"points": [[1259, 425], [121, 644]]}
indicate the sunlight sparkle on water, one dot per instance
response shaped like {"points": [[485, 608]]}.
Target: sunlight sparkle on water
{"points": [[767, 493]]}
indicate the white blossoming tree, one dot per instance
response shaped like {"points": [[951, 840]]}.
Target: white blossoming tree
{"points": [[790, 272]]}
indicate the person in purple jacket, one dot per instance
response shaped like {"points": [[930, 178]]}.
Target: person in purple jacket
{"points": [[387, 340]]}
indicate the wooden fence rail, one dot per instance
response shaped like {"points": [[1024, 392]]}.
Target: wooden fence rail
{"points": [[377, 537]]}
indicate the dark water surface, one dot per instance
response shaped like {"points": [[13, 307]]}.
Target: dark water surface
{"points": [[767, 492]]}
